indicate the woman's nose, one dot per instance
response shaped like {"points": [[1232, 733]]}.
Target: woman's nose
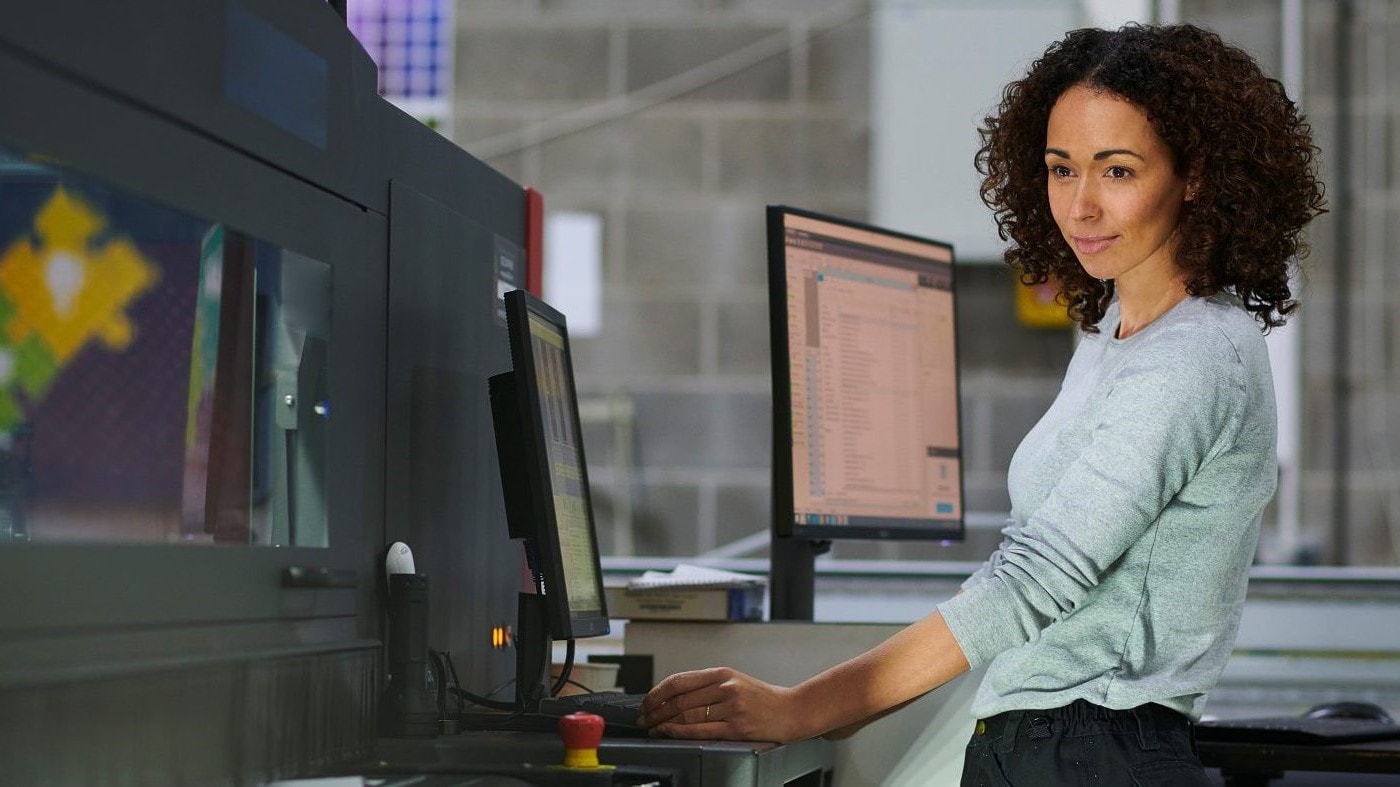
{"points": [[1085, 205]]}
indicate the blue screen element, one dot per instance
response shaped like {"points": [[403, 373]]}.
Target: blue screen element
{"points": [[275, 77]]}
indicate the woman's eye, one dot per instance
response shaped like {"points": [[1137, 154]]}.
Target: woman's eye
{"points": [[1059, 170], [1119, 172]]}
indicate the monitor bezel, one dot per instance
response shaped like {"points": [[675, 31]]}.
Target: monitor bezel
{"points": [[783, 503], [563, 621]]}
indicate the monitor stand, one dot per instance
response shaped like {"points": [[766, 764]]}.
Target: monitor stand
{"points": [[793, 576], [533, 652]]}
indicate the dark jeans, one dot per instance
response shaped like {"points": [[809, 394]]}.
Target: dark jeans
{"points": [[1084, 744]]}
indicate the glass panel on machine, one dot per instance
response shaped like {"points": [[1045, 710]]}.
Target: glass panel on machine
{"points": [[162, 376]]}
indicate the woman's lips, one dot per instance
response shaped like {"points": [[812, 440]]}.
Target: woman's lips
{"points": [[1092, 245]]}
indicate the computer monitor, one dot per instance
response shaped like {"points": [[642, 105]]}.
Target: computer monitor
{"points": [[866, 434], [543, 474]]}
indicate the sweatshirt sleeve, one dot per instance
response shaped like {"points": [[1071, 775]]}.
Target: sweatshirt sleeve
{"points": [[1168, 409]]}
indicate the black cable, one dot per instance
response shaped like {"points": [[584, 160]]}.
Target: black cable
{"points": [[581, 686], [441, 681], [500, 688], [476, 699], [456, 684], [532, 561], [460, 694], [566, 671]]}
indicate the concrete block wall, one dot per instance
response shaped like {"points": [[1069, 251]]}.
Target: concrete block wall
{"points": [[1366, 298], [1367, 231], [681, 186]]}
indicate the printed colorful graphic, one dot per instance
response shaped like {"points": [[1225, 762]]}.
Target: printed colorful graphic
{"points": [[67, 284]]}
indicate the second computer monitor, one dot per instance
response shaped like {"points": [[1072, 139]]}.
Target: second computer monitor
{"points": [[867, 441], [543, 472]]}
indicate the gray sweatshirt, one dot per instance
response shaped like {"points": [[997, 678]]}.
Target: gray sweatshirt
{"points": [[1135, 507]]}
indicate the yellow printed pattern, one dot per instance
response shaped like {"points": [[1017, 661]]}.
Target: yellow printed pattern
{"points": [[65, 290], [56, 295]]}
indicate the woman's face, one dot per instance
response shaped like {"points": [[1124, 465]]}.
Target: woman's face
{"points": [[1113, 189]]}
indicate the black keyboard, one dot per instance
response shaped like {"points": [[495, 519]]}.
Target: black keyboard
{"points": [[1298, 730], [617, 709]]}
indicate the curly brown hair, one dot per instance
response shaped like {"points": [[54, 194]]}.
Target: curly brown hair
{"points": [[1232, 131]]}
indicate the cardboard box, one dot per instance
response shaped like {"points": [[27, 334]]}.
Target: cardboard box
{"points": [[729, 604], [586, 676]]}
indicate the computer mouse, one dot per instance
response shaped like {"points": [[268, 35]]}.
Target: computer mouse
{"points": [[1368, 711]]}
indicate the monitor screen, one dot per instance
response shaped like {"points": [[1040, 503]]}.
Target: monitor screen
{"points": [[866, 441], [544, 476]]}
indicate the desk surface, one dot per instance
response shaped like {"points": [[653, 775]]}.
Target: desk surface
{"points": [[699, 763], [1273, 758]]}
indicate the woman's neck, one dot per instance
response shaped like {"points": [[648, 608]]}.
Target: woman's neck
{"points": [[1138, 308]]}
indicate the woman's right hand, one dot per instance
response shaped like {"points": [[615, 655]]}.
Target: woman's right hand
{"points": [[723, 704]]}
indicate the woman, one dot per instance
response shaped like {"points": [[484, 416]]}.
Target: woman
{"points": [[1163, 182]]}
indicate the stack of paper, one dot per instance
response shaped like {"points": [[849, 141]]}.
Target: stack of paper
{"points": [[689, 593], [686, 575]]}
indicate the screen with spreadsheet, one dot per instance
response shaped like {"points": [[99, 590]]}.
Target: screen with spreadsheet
{"points": [[573, 520], [544, 476], [865, 380]]}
